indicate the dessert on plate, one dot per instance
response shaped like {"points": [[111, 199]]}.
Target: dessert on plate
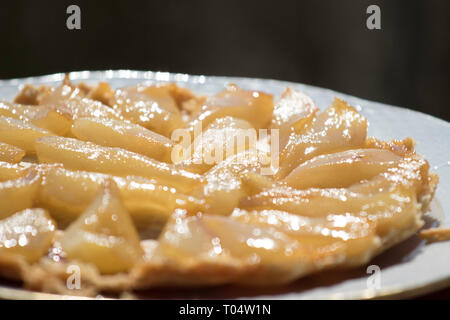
{"points": [[154, 186]]}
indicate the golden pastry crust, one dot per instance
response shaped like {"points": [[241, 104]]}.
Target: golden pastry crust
{"points": [[435, 234]]}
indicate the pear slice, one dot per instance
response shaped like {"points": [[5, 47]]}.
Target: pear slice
{"points": [[79, 155], [9, 153], [224, 243], [78, 107], [57, 95], [399, 187], [385, 208], [12, 171], [21, 134], [41, 116], [337, 235], [291, 106], [224, 187], [256, 182], [292, 113], [102, 92], [28, 234], [252, 106], [341, 169], [71, 101], [121, 134], [339, 128], [224, 137], [68, 193], [104, 234], [186, 100], [149, 106], [19, 194]]}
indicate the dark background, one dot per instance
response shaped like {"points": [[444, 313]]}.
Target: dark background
{"points": [[323, 43]]}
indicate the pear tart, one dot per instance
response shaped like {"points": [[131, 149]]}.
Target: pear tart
{"points": [[95, 181]]}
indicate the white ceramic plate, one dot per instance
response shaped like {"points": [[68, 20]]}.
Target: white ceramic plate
{"points": [[409, 269]]}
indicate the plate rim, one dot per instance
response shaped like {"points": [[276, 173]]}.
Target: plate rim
{"points": [[392, 292]]}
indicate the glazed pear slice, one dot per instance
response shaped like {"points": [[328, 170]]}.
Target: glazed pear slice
{"points": [[149, 106], [315, 202], [60, 94], [382, 191], [186, 100], [352, 237], [32, 95], [102, 92], [78, 107], [121, 134], [256, 182], [252, 106], [361, 226], [79, 155], [341, 169], [224, 137], [224, 188], [10, 153], [27, 234], [290, 107], [223, 244], [11, 171], [339, 128], [21, 134], [41, 116], [19, 193], [387, 204], [213, 250], [292, 113], [68, 193], [104, 234], [70, 101], [169, 95]]}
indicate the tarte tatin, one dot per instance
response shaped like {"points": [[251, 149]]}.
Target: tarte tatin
{"points": [[146, 186]]}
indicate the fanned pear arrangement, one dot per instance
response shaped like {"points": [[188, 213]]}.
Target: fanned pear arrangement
{"points": [[96, 180]]}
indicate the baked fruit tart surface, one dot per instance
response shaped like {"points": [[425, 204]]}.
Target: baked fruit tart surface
{"points": [[95, 180]]}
